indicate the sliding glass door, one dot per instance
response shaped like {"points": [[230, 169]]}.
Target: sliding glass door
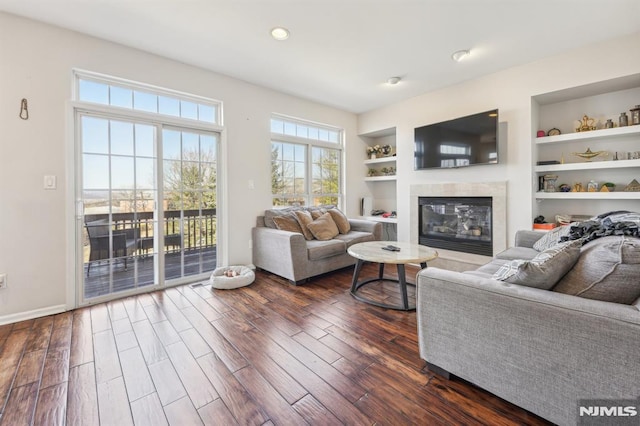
{"points": [[147, 201]]}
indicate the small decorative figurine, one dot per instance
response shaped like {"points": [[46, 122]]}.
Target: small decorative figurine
{"points": [[588, 154], [592, 186], [633, 186], [586, 124]]}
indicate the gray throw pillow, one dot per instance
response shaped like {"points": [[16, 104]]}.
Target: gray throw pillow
{"points": [[551, 238], [608, 270], [544, 270]]}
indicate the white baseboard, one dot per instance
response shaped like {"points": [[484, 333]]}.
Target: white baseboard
{"points": [[36, 313]]}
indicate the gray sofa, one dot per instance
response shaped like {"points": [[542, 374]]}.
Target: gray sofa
{"points": [[291, 256], [542, 350]]}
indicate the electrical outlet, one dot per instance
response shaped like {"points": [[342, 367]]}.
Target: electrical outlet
{"points": [[3, 281]]}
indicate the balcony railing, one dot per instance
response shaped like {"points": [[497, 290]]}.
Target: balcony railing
{"points": [[182, 229]]}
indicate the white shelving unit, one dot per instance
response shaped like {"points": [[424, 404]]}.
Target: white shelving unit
{"points": [[382, 188], [563, 110]]}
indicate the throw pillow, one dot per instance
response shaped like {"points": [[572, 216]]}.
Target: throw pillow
{"points": [[304, 219], [270, 214], [551, 238], [287, 223], [323, 228], [341, 220], [316, 212], [544, 270], [607, 270]]}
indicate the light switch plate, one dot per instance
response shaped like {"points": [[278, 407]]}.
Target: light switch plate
{"points": [[50, 182]]}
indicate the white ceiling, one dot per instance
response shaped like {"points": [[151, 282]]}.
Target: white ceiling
{"points": [[341, 52]]}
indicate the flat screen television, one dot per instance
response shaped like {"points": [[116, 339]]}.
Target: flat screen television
{"points": [[461, 142]]}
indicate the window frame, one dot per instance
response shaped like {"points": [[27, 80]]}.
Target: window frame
{"points": [[309, 144]]}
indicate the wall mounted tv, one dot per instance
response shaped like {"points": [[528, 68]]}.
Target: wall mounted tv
{"points": [[464, 141]]}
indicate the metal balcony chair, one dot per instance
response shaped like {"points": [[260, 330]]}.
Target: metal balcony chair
{"points": [[125, 242]]}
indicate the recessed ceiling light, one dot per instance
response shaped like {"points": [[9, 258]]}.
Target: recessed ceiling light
{"points": [[280, 33], [394, 80], [460, 55]]}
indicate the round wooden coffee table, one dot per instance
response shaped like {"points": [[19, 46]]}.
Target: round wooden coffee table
{"points": [[372, 251]]}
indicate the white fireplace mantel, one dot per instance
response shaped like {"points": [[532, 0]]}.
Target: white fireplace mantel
{"points": [[496, 190]]}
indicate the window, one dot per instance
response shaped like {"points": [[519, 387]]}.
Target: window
{"points": [[100, 90], [148, 163], [305, 163]]}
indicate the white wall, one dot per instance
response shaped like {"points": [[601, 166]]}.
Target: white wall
{"points": [[35, 227], [510, 91]]}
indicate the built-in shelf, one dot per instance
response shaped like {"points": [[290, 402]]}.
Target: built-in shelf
{"points": [[591, 135], [587, 195], [379, 178], [381, 219], [390, 159], [588, 165]]}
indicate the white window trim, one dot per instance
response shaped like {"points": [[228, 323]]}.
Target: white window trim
{"points": [[74, 107], [135, 85], [310, 143]]}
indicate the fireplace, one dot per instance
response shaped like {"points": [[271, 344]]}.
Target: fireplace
{"points": [[456, 223]]}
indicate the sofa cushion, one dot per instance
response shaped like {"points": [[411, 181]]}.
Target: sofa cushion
{"points": [[488, 269], [317, 249], [607, 270], [287, 223], [342, 222], [270, 214], [304, 219], [354, 237], [323, 228], [544, 270], [512, 253], [551, 238]]}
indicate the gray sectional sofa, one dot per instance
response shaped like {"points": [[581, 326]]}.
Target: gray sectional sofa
{"points": [[296, 258], [545, 350]]}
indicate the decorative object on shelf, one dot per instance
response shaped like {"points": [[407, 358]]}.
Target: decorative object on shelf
{"points": [[592, 186], [372, 172], [586, 124], [564, 188], [553, 132], [610, 186], [388, 171], [588, 154], [385, 150], [620, 155], [563, 219], [550, 183], [577, 187], [547, 162], [608, 124], [604, 188], [539, 219], [633, 186], [635, 115], [373, 151], [623, 120], [541, 133]]}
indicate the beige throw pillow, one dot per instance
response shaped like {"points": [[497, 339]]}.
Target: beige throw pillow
{"points": [[324, 228], [304, 219], [287, 223], [341, 220]]}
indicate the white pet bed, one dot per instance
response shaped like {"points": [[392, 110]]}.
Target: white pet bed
{"points": [[245, 277]]}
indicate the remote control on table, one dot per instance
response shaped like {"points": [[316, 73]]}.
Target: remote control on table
{"points": [[391, 248]]}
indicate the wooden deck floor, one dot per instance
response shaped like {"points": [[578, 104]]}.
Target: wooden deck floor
{"points": [[270, 353], [139, 271]]}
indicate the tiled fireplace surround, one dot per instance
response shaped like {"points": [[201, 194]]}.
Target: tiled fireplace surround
{"points": [[455, 260]]}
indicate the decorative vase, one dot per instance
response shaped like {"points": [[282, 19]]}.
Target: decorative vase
{"points": [[623, 120], [373, 156]]}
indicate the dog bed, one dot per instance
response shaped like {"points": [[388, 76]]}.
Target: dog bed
{"points": [[244, 277]]}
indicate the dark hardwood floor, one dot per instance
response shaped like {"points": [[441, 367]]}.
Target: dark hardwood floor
{"points": [[270, 353]]}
